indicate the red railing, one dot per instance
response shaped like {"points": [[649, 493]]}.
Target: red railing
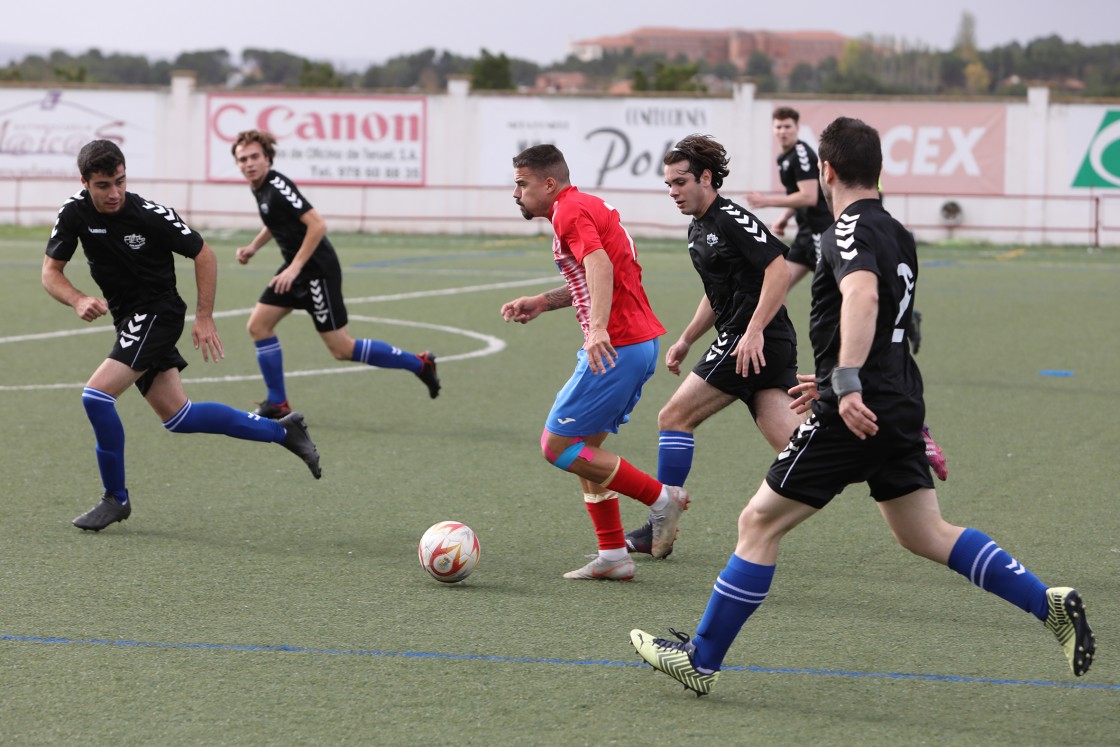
{"points": [[1093, 218]]}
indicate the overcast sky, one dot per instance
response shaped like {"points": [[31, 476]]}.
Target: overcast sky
{"points": [[356, 33]]}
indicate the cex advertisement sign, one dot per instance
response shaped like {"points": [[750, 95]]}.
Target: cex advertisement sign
{"points": [[341, 140], [927, 148]]}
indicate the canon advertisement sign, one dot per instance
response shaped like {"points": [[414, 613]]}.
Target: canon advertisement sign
{"points": [[347, 140]]}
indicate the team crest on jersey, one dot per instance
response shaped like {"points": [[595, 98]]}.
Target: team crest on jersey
{"points": [[712, 239], [264, 208], [135, 241]]}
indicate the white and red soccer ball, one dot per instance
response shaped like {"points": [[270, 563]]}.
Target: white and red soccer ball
{"points": [[449, 551]]}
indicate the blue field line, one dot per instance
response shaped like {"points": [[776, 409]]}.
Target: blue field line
{"points": [[542, 660]]}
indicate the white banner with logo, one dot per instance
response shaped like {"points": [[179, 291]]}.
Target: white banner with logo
{"points": [[350, 140], [1093, 145], [42, 130], [617, 143]]}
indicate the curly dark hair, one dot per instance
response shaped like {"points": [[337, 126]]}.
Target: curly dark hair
{"points": [[702, 152], [786, 112], [99, 157], [266, 140]]}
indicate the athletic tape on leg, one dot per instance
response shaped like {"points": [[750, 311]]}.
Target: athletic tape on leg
{"points": [[575, 450]]}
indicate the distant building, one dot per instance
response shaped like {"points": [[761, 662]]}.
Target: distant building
{"points": [[560, 82], [786, 49]]}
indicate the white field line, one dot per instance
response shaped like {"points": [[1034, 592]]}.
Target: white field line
{"points": [[492, 345]]}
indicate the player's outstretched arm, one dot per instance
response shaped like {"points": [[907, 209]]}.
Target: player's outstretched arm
{"points": [[59, 287], [527, 308], [204, 332], [701, 322], [245, 253]]}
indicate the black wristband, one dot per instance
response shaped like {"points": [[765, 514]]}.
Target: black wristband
{"points": [[845, 380]]}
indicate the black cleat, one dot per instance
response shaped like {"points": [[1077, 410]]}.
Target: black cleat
{"points": [[641, 540], [298, 441], [427, 373], [268, 410], [107, 512]]}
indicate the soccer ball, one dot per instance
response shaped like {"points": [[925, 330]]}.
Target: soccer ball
{"points": [[449, 551]]}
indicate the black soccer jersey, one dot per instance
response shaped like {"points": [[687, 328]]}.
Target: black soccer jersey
{"points": [[129, 252], [281, 205], [796, 165], [731, 249], [866, 237]]}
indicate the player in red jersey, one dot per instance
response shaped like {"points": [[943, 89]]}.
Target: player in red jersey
{"points": [[603, 282]]}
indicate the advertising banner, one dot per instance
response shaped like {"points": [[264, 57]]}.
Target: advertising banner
{"points": [[341, 140], [616, 143], [927, 148], [42, 130], [1093, 139]]}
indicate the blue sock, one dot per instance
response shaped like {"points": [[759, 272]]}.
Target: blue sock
{"points": [[674, 457], [270, 358], [977, 557], [107, 429], [384, 355], [214, 417], [740, 589]]}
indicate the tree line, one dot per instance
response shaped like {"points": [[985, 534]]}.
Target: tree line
{"points": [[870, 65]]}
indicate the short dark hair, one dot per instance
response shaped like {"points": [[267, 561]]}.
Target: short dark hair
{"points": [[787, 112], [701, 152], [99, 157], [266, 140], [545, 159], [853, 150]]}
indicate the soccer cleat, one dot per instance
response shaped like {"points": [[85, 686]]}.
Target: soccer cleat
{"points": [[664, 524], [427, 373], [674, 658], [271, 411], [1066, 620], [600, 569], [915, 331], [640, 540], [298, 441], [107, 512], [934, 456]]}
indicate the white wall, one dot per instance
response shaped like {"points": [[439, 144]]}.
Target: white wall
{"points": [[1010, 165]]}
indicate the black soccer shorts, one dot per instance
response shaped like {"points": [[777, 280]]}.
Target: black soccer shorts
{"points": [[146, 342], [806, 248], [319, 296], [823, 457], [717, 367]]}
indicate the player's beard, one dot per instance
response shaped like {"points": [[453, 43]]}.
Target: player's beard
{"points": [[525, 212]]}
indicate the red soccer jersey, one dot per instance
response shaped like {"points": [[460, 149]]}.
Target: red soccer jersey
{"points": [[581, 224]]}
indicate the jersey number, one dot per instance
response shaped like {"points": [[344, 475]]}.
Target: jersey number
{"points": [[906, 275]]}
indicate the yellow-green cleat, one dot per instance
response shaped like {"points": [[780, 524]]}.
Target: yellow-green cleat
{"points": [[1066, 620], [674, 658]]}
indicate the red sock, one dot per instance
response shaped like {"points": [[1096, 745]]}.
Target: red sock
{"points": [[632, 482], [607, 520]]}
